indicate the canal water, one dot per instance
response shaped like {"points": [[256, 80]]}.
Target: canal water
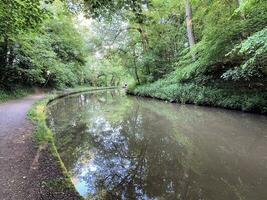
{"points": [[122, 147]]}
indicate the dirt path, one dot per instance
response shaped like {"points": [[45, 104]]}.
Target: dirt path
{"points": [[17, 150], [25, 172]]}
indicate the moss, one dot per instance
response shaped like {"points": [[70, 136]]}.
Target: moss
{"points": [[57, 183]]}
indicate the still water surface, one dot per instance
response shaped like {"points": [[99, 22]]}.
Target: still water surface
{"points": [[120, 147]]}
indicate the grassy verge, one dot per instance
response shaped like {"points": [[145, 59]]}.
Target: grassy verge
{"points": [[246, 100], [44, 136], [14, 94]]}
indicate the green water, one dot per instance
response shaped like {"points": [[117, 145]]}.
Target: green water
{"points": [[120, 147]]}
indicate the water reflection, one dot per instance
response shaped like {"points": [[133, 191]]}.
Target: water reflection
{"points": [[119, 147]]}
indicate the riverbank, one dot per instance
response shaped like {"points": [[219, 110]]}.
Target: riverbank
{"points": [[215, 96], [57, 182], [23, 91]]}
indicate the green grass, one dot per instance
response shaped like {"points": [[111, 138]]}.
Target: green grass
{"points": [[43, 135], [190, 93], [6, 95], [37, 114]]}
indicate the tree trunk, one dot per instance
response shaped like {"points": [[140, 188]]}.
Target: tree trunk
{"points": [[189, 25], [139, 18], [145, 44], [135, 69]]}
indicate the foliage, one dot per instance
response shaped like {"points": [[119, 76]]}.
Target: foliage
{"points": [[135, 41], [28, 15], [106, 72], [107, 8], [253, 53], [59, 49], [149, 39], [13, 94], [157, 45], [252, 101], [55, 46]]}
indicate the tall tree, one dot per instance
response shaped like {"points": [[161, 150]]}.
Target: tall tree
{"points": [[16, 17], [189, 26]]}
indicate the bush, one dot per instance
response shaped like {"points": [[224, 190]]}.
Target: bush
{"points": [[14, 93]]}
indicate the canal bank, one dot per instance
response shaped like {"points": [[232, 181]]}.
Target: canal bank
{"points": [[213, 95], [53, 178]]}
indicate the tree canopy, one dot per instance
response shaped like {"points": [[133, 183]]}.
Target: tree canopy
{"points": [[218, 43]]}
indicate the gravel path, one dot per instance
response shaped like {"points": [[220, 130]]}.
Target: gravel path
{"points": [[17, 150], [22, 177]]}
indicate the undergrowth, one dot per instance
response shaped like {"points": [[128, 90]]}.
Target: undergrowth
{"points": [[6, 95], [191, 93]]}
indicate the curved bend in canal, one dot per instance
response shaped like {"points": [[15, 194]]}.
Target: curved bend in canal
{"points": [[121, 147]]}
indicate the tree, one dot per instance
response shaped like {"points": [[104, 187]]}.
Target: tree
{"points": [[41, 37], [16, 17], [189, 25]]}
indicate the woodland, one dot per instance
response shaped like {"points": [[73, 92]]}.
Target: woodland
{"points": [[205, 52]]}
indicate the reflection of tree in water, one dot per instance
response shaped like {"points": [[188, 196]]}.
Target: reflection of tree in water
{"points": [[130, 163], [123, 148], [69, 118]]}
